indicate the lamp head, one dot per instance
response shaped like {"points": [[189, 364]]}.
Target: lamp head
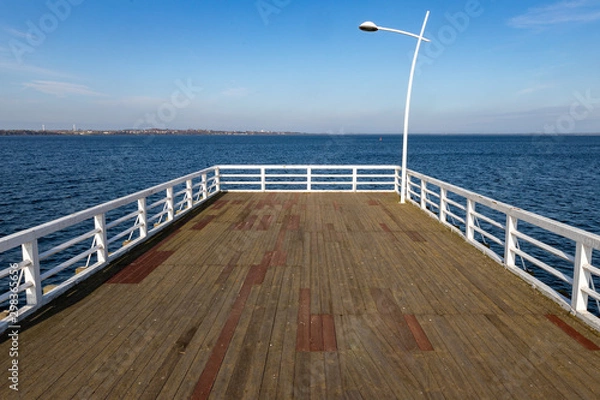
{"points": [[368, 26]]}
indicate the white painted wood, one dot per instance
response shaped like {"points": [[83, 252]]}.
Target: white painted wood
{"points": [[100, 237], [443, 205], [470, 221], [581, 277], [31, 273], [170, 204], [510, 241], [143, 217], [189, 193]]}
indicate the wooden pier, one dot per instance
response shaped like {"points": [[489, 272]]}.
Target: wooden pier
{"points": [[320, 295]]}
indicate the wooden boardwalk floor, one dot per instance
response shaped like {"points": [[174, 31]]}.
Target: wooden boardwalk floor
{"points": [[329, 295]]}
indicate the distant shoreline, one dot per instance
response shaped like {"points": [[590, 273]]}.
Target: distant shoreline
{"points": [[205, 132]]}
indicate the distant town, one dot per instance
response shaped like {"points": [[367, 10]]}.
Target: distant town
{"points": [[44, 132]]}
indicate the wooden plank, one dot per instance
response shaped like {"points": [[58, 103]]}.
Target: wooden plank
{"points": [[568, 329], [303, 341], [333, 289]]}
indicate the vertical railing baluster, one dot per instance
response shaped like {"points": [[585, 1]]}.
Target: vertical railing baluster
{"points": [[101, 238], [218, 179], [263, 179], [423, 193], [31, 273], [470, 221], [581, 277], [443, 205], [309, 179], [204, 187], [354, 179], [170, 204], [189, 193], [143, 217], [510, 241]]}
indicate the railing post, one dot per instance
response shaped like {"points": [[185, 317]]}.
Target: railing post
{"points": [[510, 241], [31, 272], [354, 179], [263, 179], [423, 193], [581, 277], [396, 178], [204, 187], [170, 204], [189, 193], [218, 179], [470, 221], [143, 217], [443, 196], [101, 238], [309, 179]]}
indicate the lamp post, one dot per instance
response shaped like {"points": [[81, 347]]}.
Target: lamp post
{"points": [[371, 27]]}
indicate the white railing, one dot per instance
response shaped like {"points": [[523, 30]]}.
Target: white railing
{"points": [[309, 178], [51, 258], [519, 239]]}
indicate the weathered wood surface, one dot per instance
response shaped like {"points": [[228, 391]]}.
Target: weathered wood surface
{"points": [[327, 295]]}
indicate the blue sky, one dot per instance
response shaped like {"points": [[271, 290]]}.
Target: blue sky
{"points": [[492, 67]]}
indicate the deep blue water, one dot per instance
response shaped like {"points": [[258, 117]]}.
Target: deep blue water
{"points": [[44, 178]]}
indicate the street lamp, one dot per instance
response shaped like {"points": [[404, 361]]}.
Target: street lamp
{"points": [[369, 26]]}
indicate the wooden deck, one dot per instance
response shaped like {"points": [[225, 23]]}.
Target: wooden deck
{"points": [[283, 295]]}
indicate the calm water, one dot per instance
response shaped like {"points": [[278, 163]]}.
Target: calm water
{"points": [[44, 178]]}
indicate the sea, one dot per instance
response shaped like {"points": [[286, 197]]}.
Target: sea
{"points": [[46, 177]]}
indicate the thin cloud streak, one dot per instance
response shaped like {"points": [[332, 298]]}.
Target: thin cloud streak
{"points": [[61, 89], [558, 13]]}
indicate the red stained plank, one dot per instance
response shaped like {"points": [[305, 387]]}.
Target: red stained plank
{"points": [[265, 223], [415, 236], [336, 206], [385, 228], [392, 316], [569, 330], [217, 205], [316, 333], [139, 269], [418, 332], [280, 239], [292, 223], [329, 338], [246, 224], [228, 268], [279, 258], [261, 269], [213, 365], [373, 203], [303, 335], [203, 222], [330, 227]]}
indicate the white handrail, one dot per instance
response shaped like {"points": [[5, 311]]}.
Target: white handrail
{"points": [[581, 276], [428, 193]]}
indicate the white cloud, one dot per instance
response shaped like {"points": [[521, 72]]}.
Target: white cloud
{"points": [[558, 13], [31, 69], [61, 89]]}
